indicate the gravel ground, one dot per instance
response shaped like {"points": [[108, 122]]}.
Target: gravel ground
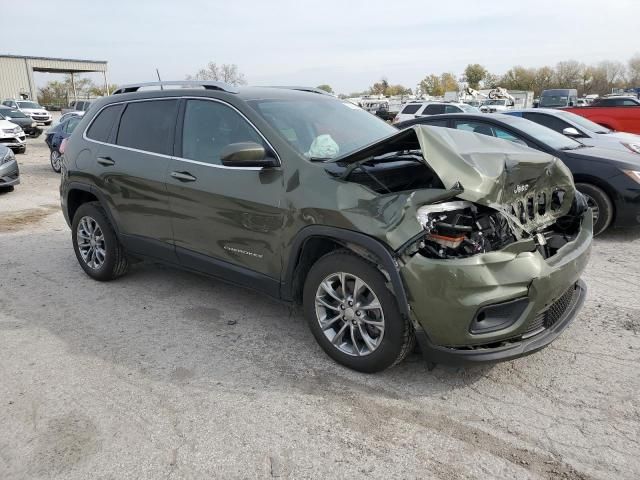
{"points": [[166, 374]]}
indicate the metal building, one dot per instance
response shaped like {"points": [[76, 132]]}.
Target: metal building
{"points": [[16, 72]]}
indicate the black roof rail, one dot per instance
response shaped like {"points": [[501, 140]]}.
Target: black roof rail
{"points": [[207, 85], [302, 89]]}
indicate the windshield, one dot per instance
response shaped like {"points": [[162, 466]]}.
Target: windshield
{"points": [[554, 101], [585, 123], [322, 128], [13, 113], [544, 135], [28, 105]]}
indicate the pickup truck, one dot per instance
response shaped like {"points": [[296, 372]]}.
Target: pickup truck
{"points": [[622, 119]]}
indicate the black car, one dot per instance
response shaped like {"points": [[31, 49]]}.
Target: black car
{"points": [[610, 179], [28, 125], [618, 101]]}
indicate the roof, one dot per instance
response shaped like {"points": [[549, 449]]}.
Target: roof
{"points": [[55, 59]]}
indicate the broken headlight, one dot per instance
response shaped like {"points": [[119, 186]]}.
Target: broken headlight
{"points": [[459, 229]]}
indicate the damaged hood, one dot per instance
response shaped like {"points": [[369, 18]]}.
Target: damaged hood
{"points": [[516, 180]]}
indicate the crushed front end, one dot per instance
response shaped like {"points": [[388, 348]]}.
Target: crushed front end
{"points": [[495, 273], [490, 246]]}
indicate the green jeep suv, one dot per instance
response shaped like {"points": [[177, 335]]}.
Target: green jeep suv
{"points": [[470, 245]]}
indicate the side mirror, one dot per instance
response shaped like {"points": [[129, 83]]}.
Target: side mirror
{"points": [[246, 154], [571, 132]]}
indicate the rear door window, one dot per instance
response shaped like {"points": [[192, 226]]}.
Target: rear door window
{"points": [[434, 109], [148, 126], [103, 123], [549, 121]]}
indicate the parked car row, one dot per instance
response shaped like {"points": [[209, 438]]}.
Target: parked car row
{"points": [[31, 109], [28, 125]]}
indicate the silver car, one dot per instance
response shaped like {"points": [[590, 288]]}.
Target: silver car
{"points": [[580, 128], [9, 172]]}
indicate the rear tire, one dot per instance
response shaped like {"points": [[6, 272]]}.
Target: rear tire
{"points": [[55, 158], [96, 245], [363, 312], [600, 203]]}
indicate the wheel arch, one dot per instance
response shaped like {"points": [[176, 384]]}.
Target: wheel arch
{"points": [[314, 241], [598, 182], [78, 194]]}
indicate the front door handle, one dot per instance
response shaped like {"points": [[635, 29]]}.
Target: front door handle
{"points": [[106, 161], [183, 176]]}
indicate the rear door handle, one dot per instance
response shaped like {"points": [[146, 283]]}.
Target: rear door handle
{"points": [[106, 161], [183, 176]]}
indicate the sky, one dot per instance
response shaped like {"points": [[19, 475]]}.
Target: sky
{"points": [[346, 44]]}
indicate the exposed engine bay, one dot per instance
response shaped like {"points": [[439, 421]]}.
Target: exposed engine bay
{"points": [[461, 229], [492, 192]]}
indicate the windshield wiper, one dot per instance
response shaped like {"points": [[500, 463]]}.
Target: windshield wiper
{"points": [[320, 159]]}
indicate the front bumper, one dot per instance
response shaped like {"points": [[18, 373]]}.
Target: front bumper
{"points": [[445, 297], [14, 142], [9, 174], [41, 119]]}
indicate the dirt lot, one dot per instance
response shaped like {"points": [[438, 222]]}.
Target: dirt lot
{"points": [[166, 374]]}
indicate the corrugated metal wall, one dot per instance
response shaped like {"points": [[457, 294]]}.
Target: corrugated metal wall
{"points": [[15, 78], [16, 73]]}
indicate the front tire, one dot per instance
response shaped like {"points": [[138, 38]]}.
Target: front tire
{"points": [[96, 245], [601, 205], [353, 315]]}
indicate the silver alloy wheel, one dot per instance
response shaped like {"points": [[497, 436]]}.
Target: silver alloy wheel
{"points": [[350, 314], [56, 159], [591, 203], [91, 242]]}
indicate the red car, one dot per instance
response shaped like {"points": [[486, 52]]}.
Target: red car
{"points": [[623, 117]]}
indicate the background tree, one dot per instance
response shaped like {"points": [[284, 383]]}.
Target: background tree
{"points": [[395, 90], [449, 82], [379, 88], [569, 74], [491, 80], [474, 74], [326, 88], [615, 73], [518, 78], [431, 85], [61, 92], [543, 79], [227, 73]]}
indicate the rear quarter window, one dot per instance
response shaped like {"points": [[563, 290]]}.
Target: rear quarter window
{"points": [[409, 109], [103, 123]]}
